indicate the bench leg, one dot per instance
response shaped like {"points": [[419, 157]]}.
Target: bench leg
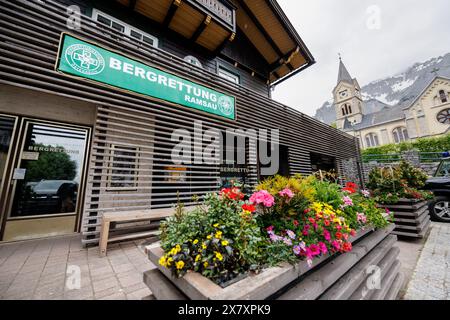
{"points": [[104, 235]]}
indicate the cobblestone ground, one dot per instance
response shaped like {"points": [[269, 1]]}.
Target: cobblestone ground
{"points": [[431, 278], [48, 269]]}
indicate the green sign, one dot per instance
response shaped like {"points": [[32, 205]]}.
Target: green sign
{"points": [[82, 59]]}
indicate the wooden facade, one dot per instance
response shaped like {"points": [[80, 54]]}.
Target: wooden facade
{"points": [[135, 131]]}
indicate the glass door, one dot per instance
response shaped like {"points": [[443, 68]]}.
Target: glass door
{"points": [[47, 180]]}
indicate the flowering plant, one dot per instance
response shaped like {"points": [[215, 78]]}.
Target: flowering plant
{"points": [[389, 184], [285, 220]]}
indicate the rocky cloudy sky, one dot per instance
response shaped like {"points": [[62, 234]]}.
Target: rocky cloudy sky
{"points": [[376, 39]]}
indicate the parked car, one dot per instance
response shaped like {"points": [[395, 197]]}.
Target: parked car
{"points": [[440, 186]]}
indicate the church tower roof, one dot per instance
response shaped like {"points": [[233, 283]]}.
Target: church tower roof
{"points": [[343, 75]]}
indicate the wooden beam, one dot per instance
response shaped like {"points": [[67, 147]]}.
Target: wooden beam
{"points": [[224, 43], [171, 12], [268, 38], [201, 28], [285, 60]]}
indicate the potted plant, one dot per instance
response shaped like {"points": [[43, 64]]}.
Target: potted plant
{"points": [[398, 189], [289, 229]]}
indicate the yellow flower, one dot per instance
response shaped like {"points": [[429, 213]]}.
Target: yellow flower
{"points": [[180, 265], [219, 256], [206, 264], [169, 261], [216, 225], [204, 246], [197, 258], [177, 248], [218, 234], [225, 243], [209, 237], [163, 261], [195, 241]]}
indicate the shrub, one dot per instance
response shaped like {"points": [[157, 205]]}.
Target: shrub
{"points": [[389, 184]]}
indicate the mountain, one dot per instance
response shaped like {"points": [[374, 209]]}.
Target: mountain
{"points": [[395, 91]]}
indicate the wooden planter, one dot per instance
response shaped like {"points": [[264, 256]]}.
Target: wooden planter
{"points": [[337, 277], [411, 218]]}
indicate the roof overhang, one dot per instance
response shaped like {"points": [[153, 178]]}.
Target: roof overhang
{"points": [[270, 31], [213, 23]]}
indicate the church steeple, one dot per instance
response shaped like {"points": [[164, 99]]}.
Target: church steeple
{"points": [[347, 99], [343, 75]]}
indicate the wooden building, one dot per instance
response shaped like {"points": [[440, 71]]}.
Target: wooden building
{"points": [[90, 99]]}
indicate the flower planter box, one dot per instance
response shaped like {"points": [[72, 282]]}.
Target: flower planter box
{"points": [[341, 276], [411, 218]]}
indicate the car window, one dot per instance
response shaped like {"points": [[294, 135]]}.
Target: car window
{"points": [[49, 185], [444, 169]]}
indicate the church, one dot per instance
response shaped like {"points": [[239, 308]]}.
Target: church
{"points": [[428, 115]]}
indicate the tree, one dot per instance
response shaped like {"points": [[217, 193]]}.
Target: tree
{"points": [[51, 166]]}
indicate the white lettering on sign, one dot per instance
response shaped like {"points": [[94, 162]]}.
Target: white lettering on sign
{"points": [[202, 97]]}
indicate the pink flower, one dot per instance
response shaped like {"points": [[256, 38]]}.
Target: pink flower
{"points": [[347, 201], [310, 262], [327, 235], [361, 218], [270, 229], [336, 245], [286, 193], [323, 248], [291, 234], [297, 250], [365, 193], [263, 197], [315, 249], [287, 241]]}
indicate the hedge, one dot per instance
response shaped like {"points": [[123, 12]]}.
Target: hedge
{"points": [[438, 144]]}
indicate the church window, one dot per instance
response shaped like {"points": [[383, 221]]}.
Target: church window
{"points": [[444, 116], [400, 134], [350, 109], [372, 140], [343, 111], [443, 96]]}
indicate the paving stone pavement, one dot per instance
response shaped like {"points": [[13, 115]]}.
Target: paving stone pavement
{"points": [[49, 269], [431, 278]]}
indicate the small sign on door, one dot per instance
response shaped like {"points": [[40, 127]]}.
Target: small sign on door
{"points": [[19, 174], [27, 155]]}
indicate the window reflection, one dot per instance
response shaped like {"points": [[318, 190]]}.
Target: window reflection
{"points": [[53, 159]]}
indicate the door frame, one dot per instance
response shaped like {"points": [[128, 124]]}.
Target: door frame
{"points": [[7, 195], [4, 185]]}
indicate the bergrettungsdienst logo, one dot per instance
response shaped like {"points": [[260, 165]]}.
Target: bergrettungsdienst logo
{"points": [[226, 105], [85, 59]]}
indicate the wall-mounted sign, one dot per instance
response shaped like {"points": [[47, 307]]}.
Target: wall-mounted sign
{"points": [[19, 174], [26, 155], [83, 59]]}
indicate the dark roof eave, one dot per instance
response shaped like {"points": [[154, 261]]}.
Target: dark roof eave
{"points": [[290, 75]]}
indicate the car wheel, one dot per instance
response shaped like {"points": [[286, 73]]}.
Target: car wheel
{"points": [[440, 209]]}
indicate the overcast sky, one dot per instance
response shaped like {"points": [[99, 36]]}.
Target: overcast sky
{"points": [[376, 38]]}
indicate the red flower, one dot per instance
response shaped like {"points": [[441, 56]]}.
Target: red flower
{"points": [[347, 247], [233, 194], [296, 223], [353, 233], [248, 207], [350, 187], [307, 210], [327, 223], [311, 220], [338, 235]]}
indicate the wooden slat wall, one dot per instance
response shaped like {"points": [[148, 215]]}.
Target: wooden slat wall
{"points": [[29, 38]]}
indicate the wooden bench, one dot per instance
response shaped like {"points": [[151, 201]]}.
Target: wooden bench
{"points": [[131, 216]]}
